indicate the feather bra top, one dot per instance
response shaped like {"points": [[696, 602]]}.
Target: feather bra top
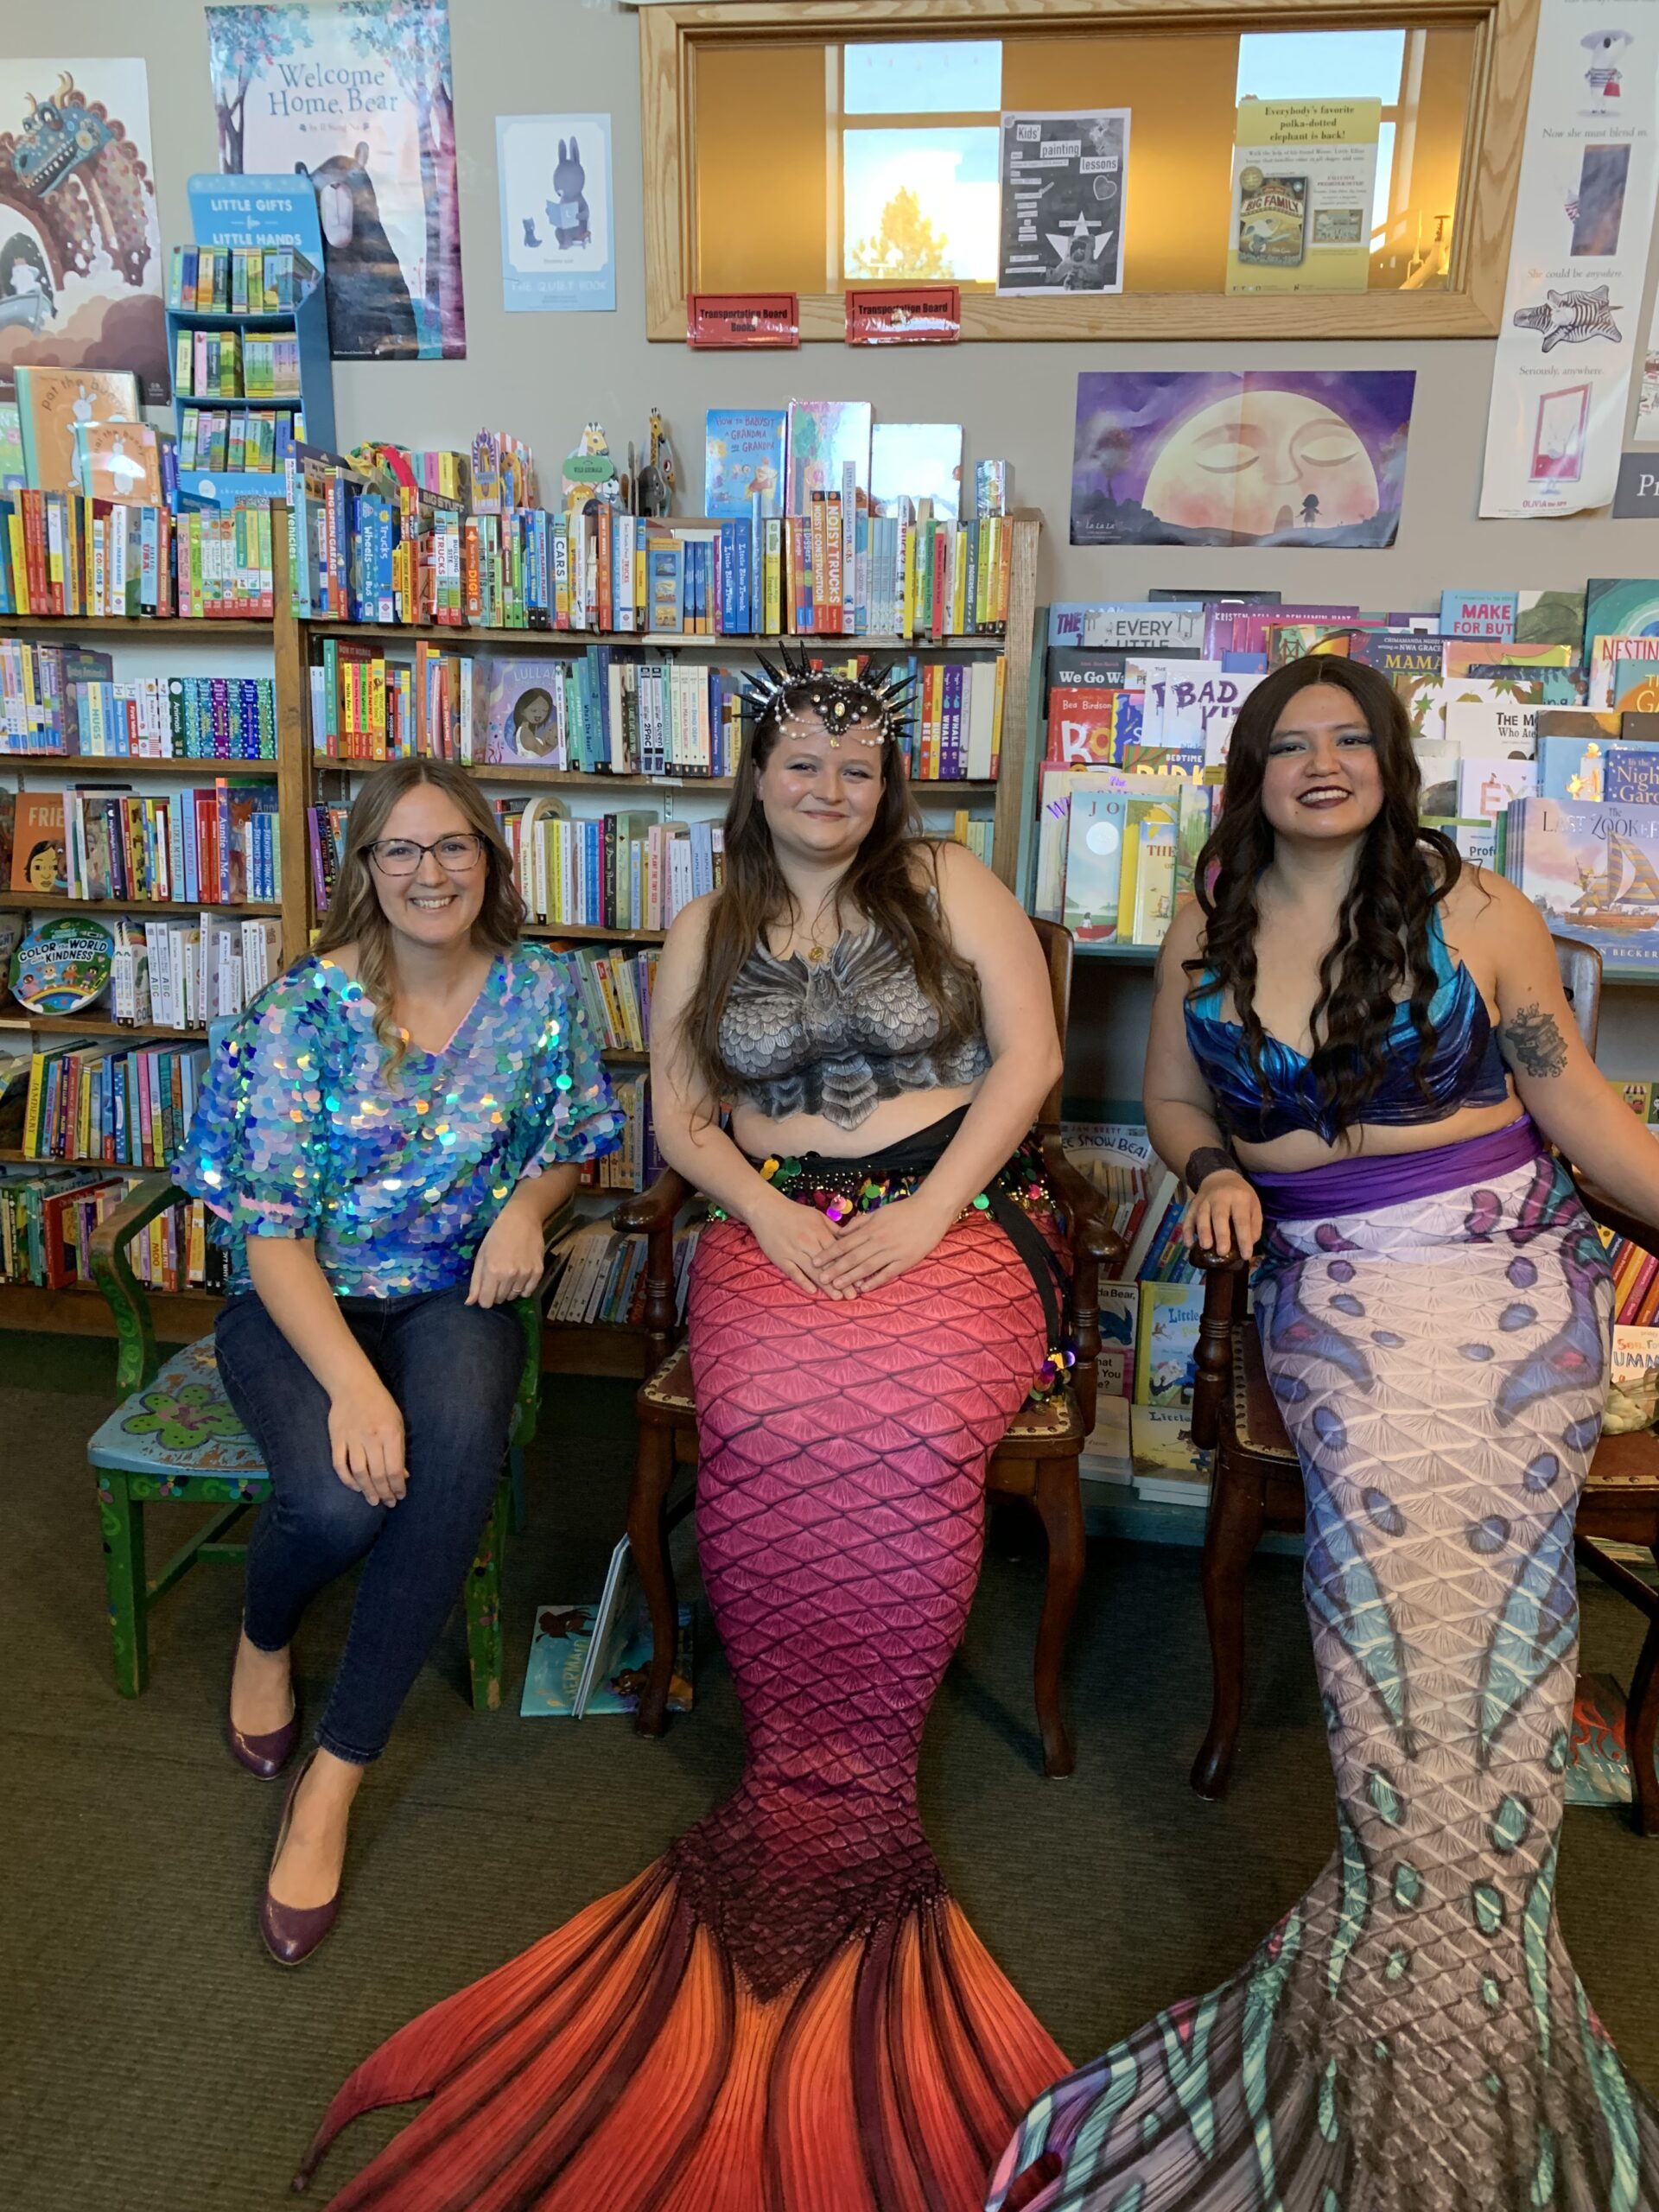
{"points": [[836, 1035], [1463, 1067]]}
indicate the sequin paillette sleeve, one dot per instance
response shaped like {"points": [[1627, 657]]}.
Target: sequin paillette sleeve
{"points": [[257, 1148], [570, 1104]]}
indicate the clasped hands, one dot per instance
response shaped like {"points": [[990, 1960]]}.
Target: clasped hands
{"points": [[845, 1259]]}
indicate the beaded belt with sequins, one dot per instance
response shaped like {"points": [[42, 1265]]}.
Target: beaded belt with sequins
{"points": [[841, 1187]]}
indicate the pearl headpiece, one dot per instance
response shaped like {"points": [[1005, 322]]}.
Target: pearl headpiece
{"points": [[842, 701]]}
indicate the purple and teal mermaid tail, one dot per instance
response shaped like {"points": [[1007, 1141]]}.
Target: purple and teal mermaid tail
{"points": [[1411, 2038]]}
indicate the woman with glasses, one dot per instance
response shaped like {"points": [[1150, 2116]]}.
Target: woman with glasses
{"points": [[382, 1138]]}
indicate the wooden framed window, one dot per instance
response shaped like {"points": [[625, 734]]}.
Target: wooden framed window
{"points": [[806, 147]]}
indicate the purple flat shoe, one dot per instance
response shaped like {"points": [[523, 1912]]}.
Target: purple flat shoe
{"points": [[265, 1755], [292, 1932]]}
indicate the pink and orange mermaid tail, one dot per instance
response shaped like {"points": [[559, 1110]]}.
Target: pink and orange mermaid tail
{"points": [[1412, 2037], [786, 2012]]}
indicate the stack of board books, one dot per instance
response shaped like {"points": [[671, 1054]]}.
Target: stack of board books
{"points": [[1534, 716], [61, 555], [253, 280], [219, 844], [65, 702], [46, 1220]]}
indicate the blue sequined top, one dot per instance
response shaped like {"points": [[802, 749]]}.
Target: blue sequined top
{"points": [[1464, 1067], [298, 1133]]}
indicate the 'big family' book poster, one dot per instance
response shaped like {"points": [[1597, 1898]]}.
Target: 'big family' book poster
{"points": [[80, 248], [360, 100]]}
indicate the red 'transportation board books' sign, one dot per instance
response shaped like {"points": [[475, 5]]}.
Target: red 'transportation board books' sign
{"points": [[912, 315], [728, 320]]}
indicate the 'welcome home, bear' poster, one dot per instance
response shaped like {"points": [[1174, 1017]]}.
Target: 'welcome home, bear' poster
{"points": [[80, 251], [358, 97]]}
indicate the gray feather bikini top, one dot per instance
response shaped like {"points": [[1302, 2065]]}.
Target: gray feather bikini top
{"points": [[836, 1035]]}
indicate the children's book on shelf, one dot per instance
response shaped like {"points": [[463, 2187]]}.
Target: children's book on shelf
{"points": [[1169, 1467], [1592, 871], [915, 461], [516, 708], [47, 1216], [743, 461], [826, 437], [1166, 1341], [51, 402], [61, 964], [38, 846]]}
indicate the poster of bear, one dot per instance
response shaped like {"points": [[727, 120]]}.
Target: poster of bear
{"points": [[358, 98], [80, 249]]}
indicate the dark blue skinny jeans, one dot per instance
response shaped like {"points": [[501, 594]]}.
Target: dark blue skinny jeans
{"points": [[454, 1369]]}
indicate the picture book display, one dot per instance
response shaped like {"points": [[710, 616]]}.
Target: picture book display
{"points": [[54, 404], [743, 461], [62, 965]]}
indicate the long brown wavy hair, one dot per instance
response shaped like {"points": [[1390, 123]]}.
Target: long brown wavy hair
{"points": [[881, 883], [354, 915], [1381, 946]]}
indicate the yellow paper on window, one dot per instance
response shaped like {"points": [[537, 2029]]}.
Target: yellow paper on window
{"points": [[1304, 174]]}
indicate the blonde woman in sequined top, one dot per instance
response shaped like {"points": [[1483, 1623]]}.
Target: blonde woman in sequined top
{"points": [[382, 1137]]}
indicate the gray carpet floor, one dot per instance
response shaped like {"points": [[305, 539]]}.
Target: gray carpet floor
{"points": [[152, 2059]]}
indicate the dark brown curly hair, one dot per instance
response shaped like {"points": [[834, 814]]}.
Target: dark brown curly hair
{"points": [[1381, 946], [882, 883]]}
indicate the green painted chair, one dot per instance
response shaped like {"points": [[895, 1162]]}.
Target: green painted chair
{"points": [[176, 1435]]}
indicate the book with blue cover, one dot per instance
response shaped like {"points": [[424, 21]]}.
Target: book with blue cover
{"points": [[743, 461]]}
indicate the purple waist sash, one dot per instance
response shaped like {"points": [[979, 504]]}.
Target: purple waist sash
{"points": [[1364, 1185]]}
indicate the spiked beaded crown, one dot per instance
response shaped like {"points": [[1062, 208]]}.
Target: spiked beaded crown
{"points": [[877, 695]]}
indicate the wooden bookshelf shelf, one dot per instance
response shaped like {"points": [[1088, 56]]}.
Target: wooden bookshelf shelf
{"points": [[15, 902], [139, 626], [617, 1056], [590, 932], [598, 780], [94, 1024], [180, 1316], [827, 642], [133, 763], [13, 1156]]}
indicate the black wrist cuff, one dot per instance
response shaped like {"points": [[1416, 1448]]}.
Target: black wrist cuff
{"points": [[1208, 1160]]}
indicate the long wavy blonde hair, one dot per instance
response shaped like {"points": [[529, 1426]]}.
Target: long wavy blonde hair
{"points": [[354, 916]]}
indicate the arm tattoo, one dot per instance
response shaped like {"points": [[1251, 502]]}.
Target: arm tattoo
{"points": [[1532, 1044], [1208, 1160]]}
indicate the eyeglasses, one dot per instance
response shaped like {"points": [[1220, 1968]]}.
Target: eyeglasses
{"points": [[456, 855]]}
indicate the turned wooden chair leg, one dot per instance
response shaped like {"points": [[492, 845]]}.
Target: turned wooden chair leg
{"points": [[1231, 1536], [1059, 1500], [653, 1474], [1641, 1732]]}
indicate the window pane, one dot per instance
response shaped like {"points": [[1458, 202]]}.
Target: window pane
{"points": [[1314, 64], [919, 203], [936, 76], [1384, 184]]}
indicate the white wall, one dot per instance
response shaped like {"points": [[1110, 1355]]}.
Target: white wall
{"points": [[543, 376]]}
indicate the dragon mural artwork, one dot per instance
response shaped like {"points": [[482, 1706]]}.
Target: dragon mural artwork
{"points": [[80, 279]]}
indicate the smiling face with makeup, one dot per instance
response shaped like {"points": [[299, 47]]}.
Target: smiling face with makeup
{"points": [[1322, 779], [1248, 463], [819, 790]]}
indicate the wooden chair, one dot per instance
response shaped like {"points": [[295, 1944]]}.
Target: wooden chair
{"points": [[176, 1435], [1257, 1481], [1039, 1459]]}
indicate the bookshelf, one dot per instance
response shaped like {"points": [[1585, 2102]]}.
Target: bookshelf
{"points": [[311, 409], [304, 777]]}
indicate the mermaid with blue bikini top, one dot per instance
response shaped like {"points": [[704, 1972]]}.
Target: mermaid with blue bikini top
{"points": [[1434, 1305]]}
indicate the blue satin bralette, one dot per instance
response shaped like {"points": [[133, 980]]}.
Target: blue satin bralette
{"points": [[1462, 1068]]}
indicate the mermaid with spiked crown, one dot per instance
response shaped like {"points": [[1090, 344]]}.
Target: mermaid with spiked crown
{"points": [[788, 2012], [1382, 1034]]}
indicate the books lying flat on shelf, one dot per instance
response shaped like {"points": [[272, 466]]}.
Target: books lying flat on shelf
{"points": [[601, 1275]]}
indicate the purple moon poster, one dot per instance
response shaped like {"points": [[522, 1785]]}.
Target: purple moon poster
{"points": [[1314, 457]]}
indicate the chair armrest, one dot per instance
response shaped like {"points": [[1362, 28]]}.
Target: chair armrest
{"points": [[528, 1311], [1224, 1282], [1094, 1244], [137, 1357], [1609, 1212], [651, 1215], [653, 1208]]}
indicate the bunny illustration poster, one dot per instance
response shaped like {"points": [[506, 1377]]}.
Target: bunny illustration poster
{"points": [[557, 233]]}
